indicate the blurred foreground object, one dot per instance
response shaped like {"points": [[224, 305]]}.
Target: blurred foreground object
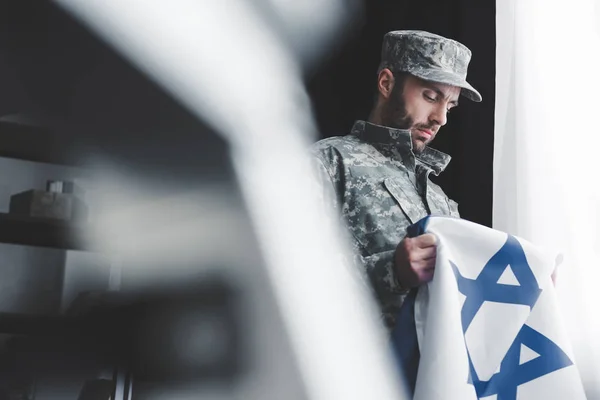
{"points": [[214, 182]]}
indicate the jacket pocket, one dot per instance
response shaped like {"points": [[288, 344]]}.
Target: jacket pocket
{"points": [[409, 201]]}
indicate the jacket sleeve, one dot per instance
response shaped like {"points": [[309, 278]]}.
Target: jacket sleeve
{"points": [[377, 268]]}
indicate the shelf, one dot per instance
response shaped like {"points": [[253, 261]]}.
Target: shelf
{"points": [[24, 324], [41, 232], [36, 144]]}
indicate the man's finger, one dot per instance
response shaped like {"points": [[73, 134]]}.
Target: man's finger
{"points": [[424, 265], [425, 240], [425, 276], [419, 254]]}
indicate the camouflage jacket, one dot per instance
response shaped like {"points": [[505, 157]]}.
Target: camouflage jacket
{"points": [[380, 188]]}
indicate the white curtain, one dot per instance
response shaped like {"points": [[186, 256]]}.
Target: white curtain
{"points": [[547, 153]]}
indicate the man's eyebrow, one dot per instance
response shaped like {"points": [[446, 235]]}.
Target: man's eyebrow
{"points": [[440, 93]]}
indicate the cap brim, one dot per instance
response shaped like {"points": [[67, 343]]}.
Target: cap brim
{"points": [[449, 78]]}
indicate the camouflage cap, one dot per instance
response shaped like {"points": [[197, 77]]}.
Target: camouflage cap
{"points": [[430, 57]]}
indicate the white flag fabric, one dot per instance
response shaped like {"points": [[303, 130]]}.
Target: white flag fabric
{"points": [[544, 184], [488, 324]]}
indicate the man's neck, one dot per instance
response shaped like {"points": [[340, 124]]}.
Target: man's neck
{"points": [[375, 116]]}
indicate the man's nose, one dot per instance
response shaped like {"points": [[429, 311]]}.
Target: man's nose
{"points": [[439, 116]]}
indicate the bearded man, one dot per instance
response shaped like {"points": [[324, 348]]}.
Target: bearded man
{"points": [[378, 175]]}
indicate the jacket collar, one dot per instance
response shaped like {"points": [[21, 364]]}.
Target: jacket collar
{"points": [[399, 142]]}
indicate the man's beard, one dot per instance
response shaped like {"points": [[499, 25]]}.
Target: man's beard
{"points": [[395, 116], [394, 111]]}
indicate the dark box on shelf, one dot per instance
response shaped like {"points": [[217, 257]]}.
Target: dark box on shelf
{"points": [[42, 204]]}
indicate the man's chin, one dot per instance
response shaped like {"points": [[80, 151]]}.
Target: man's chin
{"points": [[419, 146]]}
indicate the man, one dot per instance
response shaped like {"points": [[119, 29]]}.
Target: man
{"points": [[380, 172]]}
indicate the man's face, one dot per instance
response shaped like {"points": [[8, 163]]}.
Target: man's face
{"points": [[420, 106]]}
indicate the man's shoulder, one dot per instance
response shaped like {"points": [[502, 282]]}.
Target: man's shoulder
{"points": [[335, 141], [337, 146]]}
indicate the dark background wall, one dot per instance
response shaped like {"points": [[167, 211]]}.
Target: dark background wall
{"points": [[343, 88]]}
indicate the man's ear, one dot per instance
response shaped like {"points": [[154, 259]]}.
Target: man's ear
{"points": [[385, 83]]}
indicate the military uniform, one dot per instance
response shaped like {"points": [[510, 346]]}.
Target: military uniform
{"points": [[380, 188], [375, 182]]}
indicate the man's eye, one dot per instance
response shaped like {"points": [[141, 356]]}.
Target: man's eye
{"points": [[429, 98]]}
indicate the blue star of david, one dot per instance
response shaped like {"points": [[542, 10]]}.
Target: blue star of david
{"points": [[486, 288]]}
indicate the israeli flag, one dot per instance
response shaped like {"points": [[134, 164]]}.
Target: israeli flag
{"points": [[487, 326]]}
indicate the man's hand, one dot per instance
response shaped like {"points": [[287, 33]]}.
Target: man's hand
{"points": [[557, 261], [415, 260]]}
